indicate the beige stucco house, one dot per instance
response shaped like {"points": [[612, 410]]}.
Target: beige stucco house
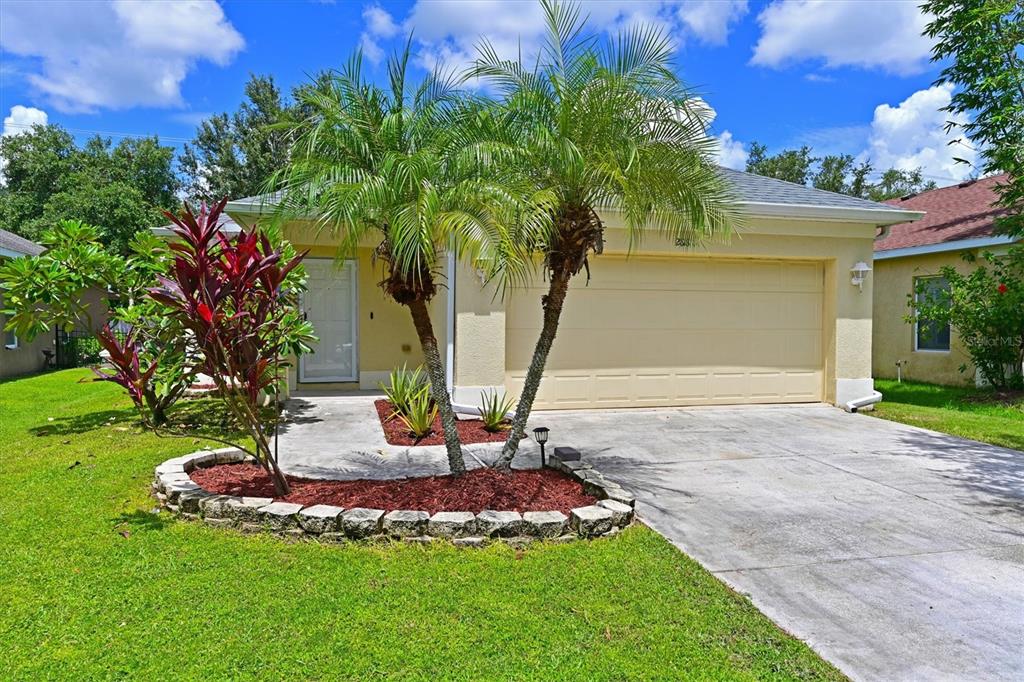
{"points": [[18, 356], [957, 219], [770, 317]]}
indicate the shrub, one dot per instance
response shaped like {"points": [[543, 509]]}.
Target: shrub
{"points": [[986, 308], [404, 384], [493, 410], [237, 298], [421, 410]]}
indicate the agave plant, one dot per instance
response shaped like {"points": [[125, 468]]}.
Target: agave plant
{"points": [[420, 413], [494, 410], [402, 387]]}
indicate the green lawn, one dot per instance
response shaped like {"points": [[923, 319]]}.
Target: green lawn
{"points": [[93, 585], [964, 412]]}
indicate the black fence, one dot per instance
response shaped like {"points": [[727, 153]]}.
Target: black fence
{"points": [[78, 348]]}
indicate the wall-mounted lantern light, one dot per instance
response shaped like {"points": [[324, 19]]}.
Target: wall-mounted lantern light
{"points": [[860, 272]]}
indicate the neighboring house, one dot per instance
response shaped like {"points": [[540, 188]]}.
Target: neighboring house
{"points": [[16, 355], [958, 219], [771, 317]]}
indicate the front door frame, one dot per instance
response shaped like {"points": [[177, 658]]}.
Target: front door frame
{"points": [[354, 289]]}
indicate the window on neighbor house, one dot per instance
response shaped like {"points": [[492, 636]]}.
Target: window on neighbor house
{"points": [[929, 334], [10, 340]]}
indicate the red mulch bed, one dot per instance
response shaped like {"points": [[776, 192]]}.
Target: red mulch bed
{"points": [[477, 490], [470, 430]]}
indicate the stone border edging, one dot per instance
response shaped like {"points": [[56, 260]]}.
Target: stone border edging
{"points": [[181, 495]]}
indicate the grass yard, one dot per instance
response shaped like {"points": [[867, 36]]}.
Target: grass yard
{"points": [[965, 412], [93, 585]]}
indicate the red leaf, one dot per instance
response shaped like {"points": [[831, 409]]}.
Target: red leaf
{"points": [[205, 312]]}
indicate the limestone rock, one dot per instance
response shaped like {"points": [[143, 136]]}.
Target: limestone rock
{"points": [[499, 524], [361, 522], [452, 524], [279, 515], [622, 514], [591, 521], [544, 524], [320, 518], [405, 523]]}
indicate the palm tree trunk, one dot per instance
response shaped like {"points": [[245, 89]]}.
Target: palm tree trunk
{"points": [[438, 387], [557, 290]]}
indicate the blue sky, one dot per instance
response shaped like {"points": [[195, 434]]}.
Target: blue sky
{"points": [[843, 77]]}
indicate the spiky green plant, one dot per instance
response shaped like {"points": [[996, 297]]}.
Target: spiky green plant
{"points": [[420, 413], [403, 385], [494, 410]]}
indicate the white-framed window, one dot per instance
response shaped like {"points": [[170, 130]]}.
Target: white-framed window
{"points": [[10, 338], [929, 335]]}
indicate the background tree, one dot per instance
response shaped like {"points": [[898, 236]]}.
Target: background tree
{"points": [[838, 173], [791, 165], [981, 41], [121, 189], [232, 155], [599, 127], [835, 173], [896, 183]]}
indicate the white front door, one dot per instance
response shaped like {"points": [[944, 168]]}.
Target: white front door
{"points": [[330, 305]]}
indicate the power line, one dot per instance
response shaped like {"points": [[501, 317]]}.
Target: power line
{"points": [[110, 133]]}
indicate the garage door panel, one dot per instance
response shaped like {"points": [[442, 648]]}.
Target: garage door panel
{"points": [[648, 332]]}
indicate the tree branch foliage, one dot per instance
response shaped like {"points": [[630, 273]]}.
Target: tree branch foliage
{"points": [[838, 173], [121, 189], [982, 44]]}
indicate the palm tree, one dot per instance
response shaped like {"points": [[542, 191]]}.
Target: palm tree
{"points": [[372, 160], [602, 127]]}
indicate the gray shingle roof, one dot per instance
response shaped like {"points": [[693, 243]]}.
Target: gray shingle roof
{"points": [[759, 189], [12, 242], [766, 196]]}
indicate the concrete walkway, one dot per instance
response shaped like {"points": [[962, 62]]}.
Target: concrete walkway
{"points": [[896, 552], [340, 437]]}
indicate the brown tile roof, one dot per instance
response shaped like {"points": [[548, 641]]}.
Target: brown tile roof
{"points": [[953, 213]]}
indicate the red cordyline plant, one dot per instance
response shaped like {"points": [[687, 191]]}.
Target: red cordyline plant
{"points": [[228, 294]]}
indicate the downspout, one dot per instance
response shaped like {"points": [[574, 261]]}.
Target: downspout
{"points": [[854, 405], [449, 356]]}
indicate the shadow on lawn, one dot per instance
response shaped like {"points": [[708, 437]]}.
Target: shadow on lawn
{"points": [[83, 423], [140, 520], [194, 418]]}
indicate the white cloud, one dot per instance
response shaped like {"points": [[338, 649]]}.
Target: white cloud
{"points": [[22, 119], [447, 31], [882, 35], [709, 20], [379, 22], [731, 153], [912, 134], [380, 25], [116, 54]]}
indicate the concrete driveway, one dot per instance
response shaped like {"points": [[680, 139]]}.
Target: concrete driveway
{"points": [[896, 552]]}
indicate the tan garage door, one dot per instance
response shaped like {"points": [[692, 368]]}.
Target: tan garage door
{"points": [[657, 332]]}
